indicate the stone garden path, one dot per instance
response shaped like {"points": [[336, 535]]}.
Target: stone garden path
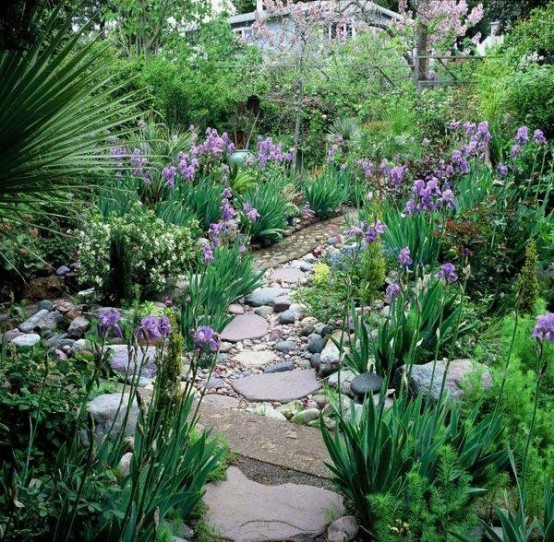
{"points": [[267, 376]]}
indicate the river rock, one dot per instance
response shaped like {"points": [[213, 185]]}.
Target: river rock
{"points": [[26, 341], [460, 372], [109, 409], [264, 296], [78, 327], [32, 323], [366, 383]]}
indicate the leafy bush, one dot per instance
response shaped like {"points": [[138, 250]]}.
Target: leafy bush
{"points": [[272, 204], [423, 322], [61, 483], [385, 457], [417, 232], [202, 199], [324, 194], [351, 274], [137, 249], [527, 284]]}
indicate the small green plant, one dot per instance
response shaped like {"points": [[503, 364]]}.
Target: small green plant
{"points": [[527, 283], [272, 204], [382, 452], [324, 194], [230, 276]]}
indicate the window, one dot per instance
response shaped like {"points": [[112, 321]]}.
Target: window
{"points": [[245, 33], [340, 31]]}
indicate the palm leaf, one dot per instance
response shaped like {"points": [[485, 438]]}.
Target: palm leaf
{"points": [[57, 108]]}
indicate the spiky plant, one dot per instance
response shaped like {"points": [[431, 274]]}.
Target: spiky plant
{"points": [[58, 107]]}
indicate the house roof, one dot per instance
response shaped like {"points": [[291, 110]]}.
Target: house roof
{"points": [[351, 5]]}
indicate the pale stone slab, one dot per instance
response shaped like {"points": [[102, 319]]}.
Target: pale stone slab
{"points": [[245, 511], [244, 326], [290, 275], [251, 358], [281, 387]]}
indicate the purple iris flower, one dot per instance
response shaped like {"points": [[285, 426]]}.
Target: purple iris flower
{"points": [[502, 171], [522, 135], [149, 329], [392, 292], [208, 254], [404, 258], [109, 321], [544, 330], [538, 137], [205, 336], [447, 273]]}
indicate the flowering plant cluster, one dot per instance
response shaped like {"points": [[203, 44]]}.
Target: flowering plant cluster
{"points": [[153, 328], [204, 157], [156, 253], [227, 229], [366, 231]]}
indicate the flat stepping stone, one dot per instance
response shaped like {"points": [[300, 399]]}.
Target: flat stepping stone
{"points": [[244, 326], [282, 387], [289, 275], [123, 365], [252, 358], [290, 446], [245, 511], [220, 401]]}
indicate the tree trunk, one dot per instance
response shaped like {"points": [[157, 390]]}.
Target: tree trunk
{"points": [[422, 53], [298, 124]]}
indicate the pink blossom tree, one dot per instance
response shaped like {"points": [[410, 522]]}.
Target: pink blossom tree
{"points": [[305, 39]]}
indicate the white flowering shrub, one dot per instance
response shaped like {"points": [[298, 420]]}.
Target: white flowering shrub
{"points": [[137, 249]]}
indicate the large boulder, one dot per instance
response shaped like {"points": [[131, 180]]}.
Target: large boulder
{"points": [[108, 413], [461, 373]]}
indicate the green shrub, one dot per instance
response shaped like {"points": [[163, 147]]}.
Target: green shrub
{"points": [[324, 194], [418, 232], [353, 274], [59, 482], [527, 284], [273, 205], [424, 321], [411, 451], [137, 249]]}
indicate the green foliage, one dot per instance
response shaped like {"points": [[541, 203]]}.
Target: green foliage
{"points": [[202, 199], [61, 482], [353, 274], [324, 194], [199, 80], [387, 452], [48, 390], [514, 84], [137, 249], [418, 232], [423, 322], [230, 276], [56, 107], [273, 205], [28, 251], [527, 284]]}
